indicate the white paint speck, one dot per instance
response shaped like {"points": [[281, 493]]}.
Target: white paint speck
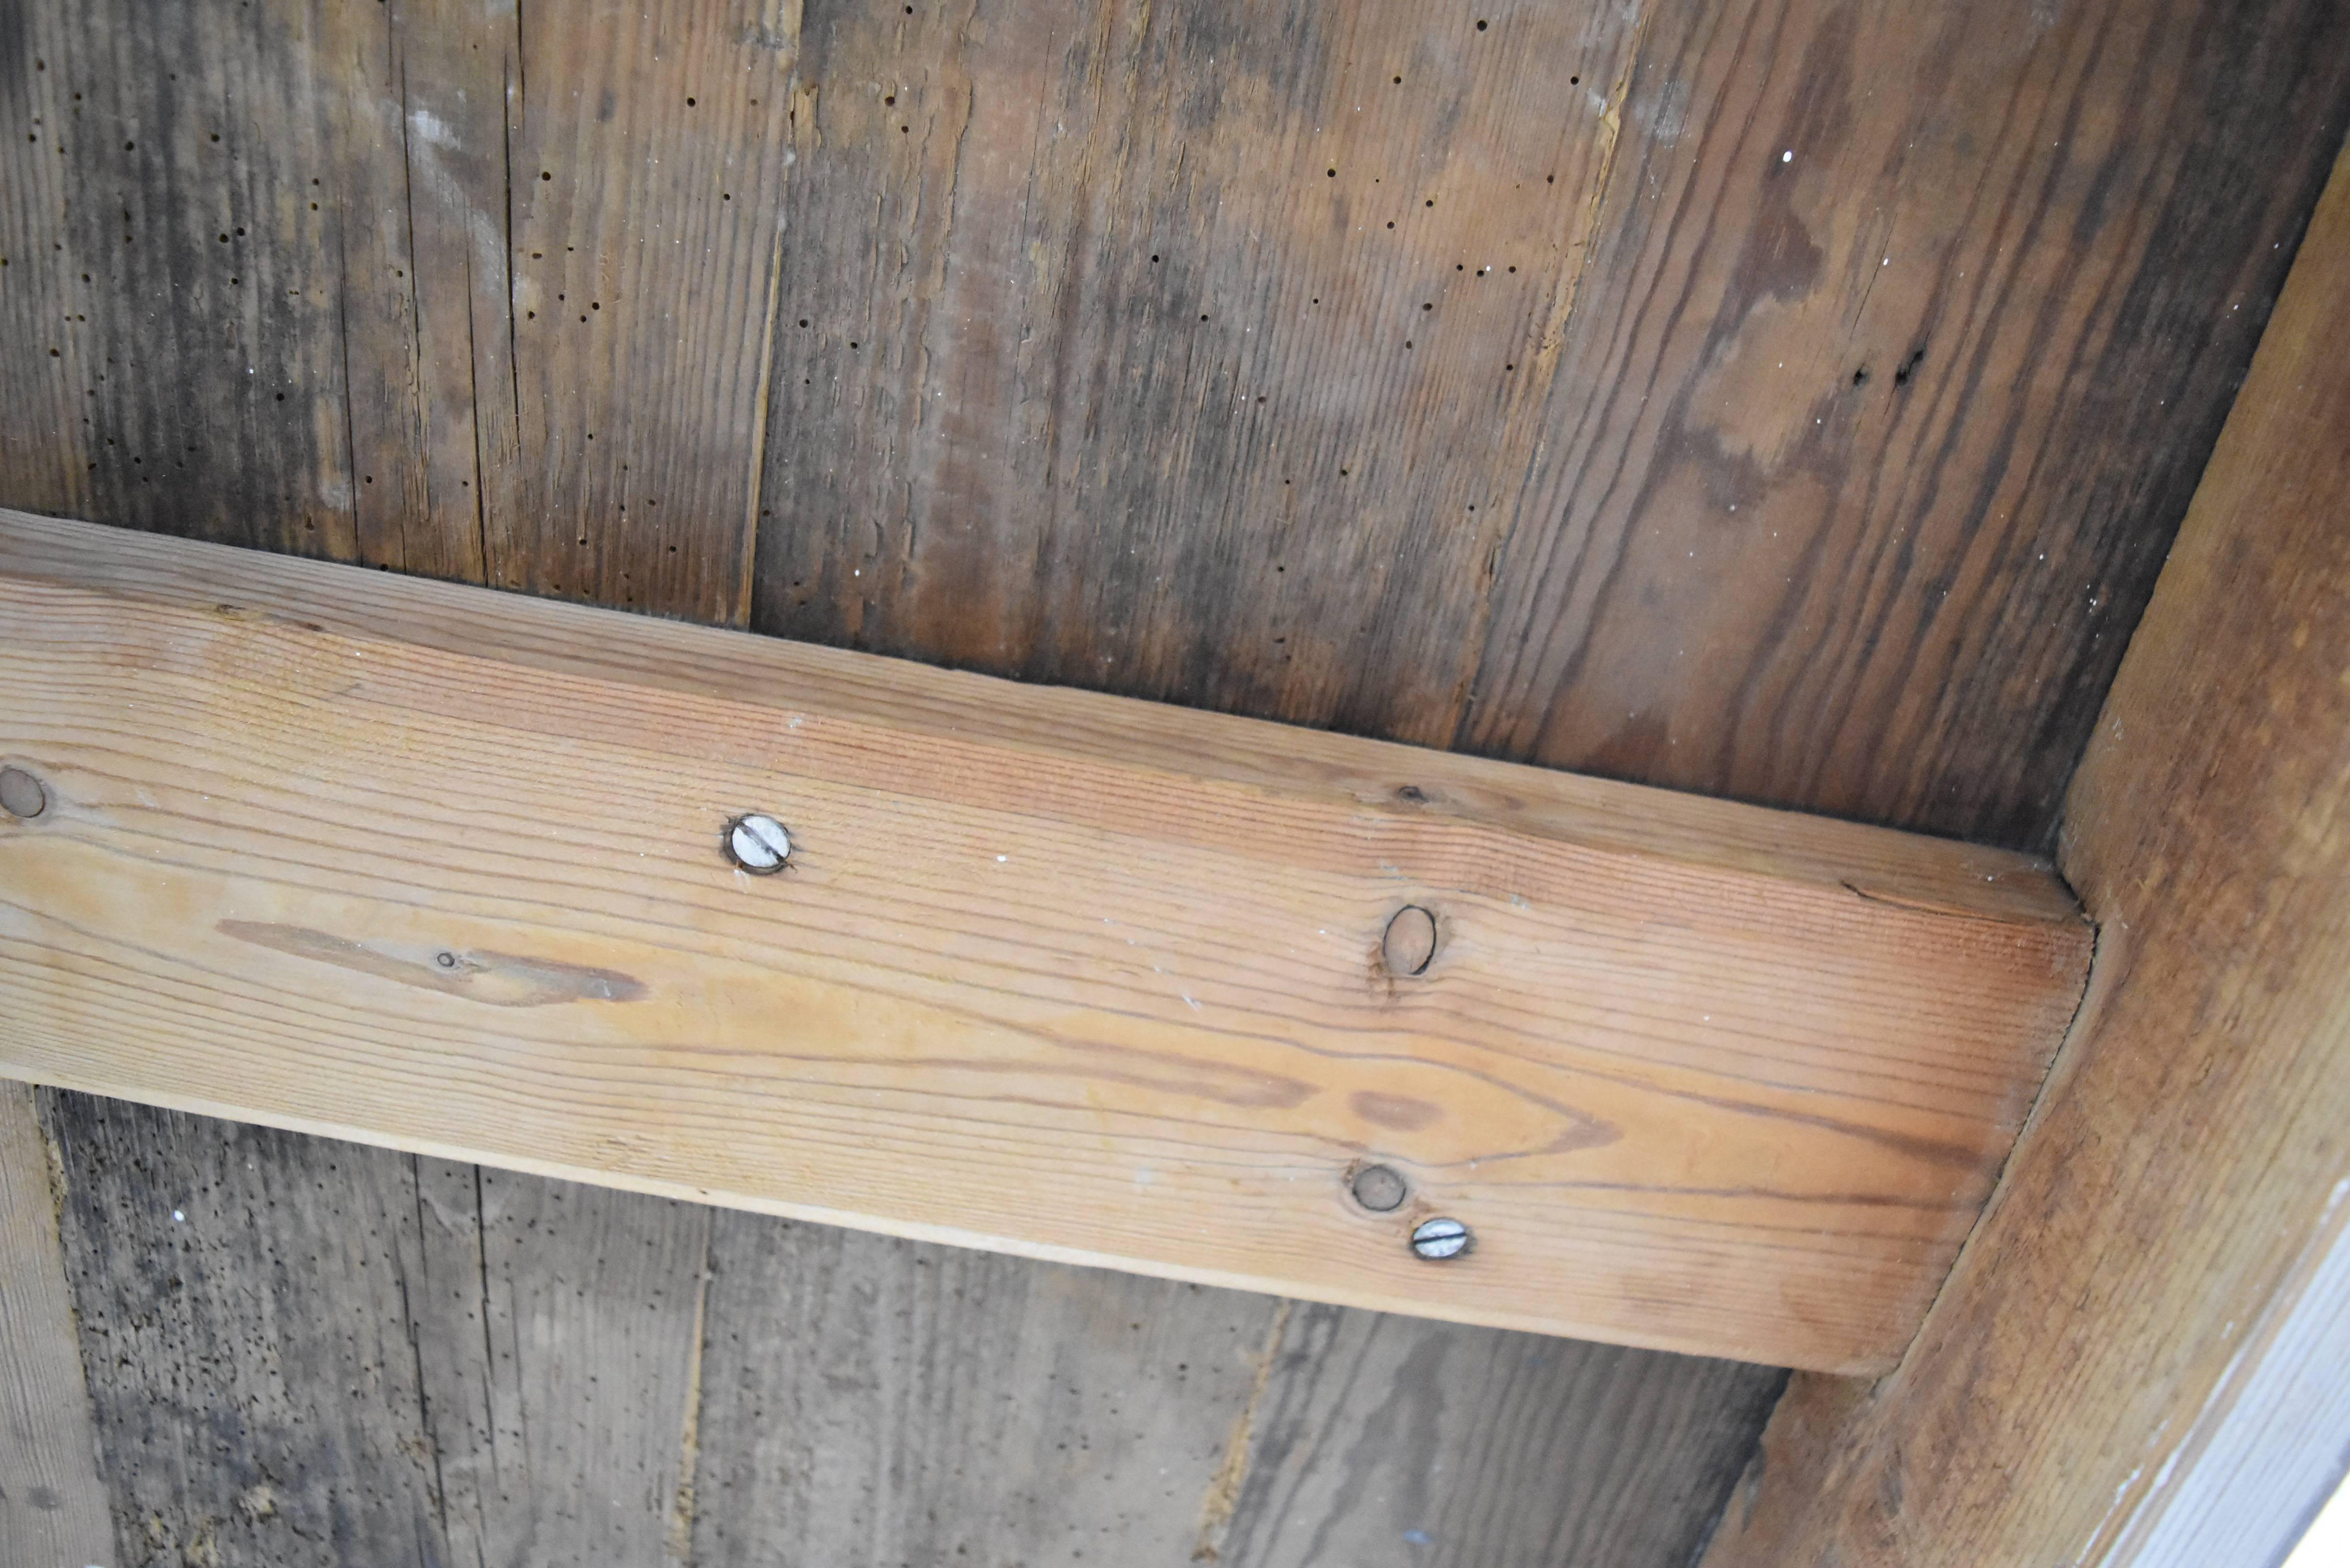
{"points": [[1788, 156], [178, 1218]]}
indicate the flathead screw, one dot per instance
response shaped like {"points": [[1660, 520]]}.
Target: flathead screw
{"points": [[1436, 1240], [759, 845]]}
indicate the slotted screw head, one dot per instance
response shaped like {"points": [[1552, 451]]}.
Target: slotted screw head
{"points": [[758, 844], [1436, 1240]]}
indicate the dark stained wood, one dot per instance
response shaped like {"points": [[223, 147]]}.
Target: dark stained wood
{"points": [[171, 295], [644, 171], [244, 1314], [308, 1352], [1862, 462], [1004, 440], [1193, 351], [463, 290], [1836, 482], [1378, 1441], [2133, 1290], [557, 1329]]}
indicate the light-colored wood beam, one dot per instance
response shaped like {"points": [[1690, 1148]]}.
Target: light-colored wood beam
{"points": [[53, 1498], [1069, 975], [2140, 1358]]}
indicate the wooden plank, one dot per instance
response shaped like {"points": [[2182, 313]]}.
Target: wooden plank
{"points": [[869, 1402], [2154, 1242], [1008, 439], [174, 280], [53, 1501], [1697, 1076], [641, 209], [254, 1374], [1188, 350], [557, 1333], [1384, 1440], [1906, 331]]}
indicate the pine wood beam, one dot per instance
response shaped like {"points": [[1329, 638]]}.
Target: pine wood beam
{"points": [[1067, 975], [2141, 1359]]}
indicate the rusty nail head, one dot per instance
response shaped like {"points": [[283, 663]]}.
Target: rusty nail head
{"points": [[1436, 1240], [21, 793], [1380, 1189], [757, 844]]}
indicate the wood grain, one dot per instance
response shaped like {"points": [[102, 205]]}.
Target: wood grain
{"points": [[1906, 332], [1956, 363], [559, 1329], [2182, 1183], [867, 1402], [1186, 350], [1834, 481], [53, 1501], [456, 289], [1686, 1098], [1379, 1441], [241, 1294]]}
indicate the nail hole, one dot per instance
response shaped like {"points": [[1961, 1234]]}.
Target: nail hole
{"points": [[1380, 1189], [21, 794], [1409, 945]]}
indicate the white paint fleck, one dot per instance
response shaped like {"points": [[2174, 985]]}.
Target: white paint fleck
{"points": [[178, 1218], [428, 127], [1788, 156]]}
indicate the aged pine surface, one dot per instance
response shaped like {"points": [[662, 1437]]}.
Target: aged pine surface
{"points": [[1005, 440], [1946, 303], [2181, 1193], [441, 868]]}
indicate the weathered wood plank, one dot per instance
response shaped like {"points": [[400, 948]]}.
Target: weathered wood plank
{"points": [[1906, 331], [557, 1329], [53, 1501], [1685, 1095], [2182, 1183], [1191, 350], [253, 1367], [867, 1402], [173, 279], [1383, 1440], [647, 154]]}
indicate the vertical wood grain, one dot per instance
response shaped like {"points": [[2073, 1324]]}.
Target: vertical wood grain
{"points": [[558, 1330], [648, 154], [244, 1316], [870, 1402], [1905, 333], [53, 1501], [2182, 1182], [1381, 1440], [173, 272], [1187, 350]]}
